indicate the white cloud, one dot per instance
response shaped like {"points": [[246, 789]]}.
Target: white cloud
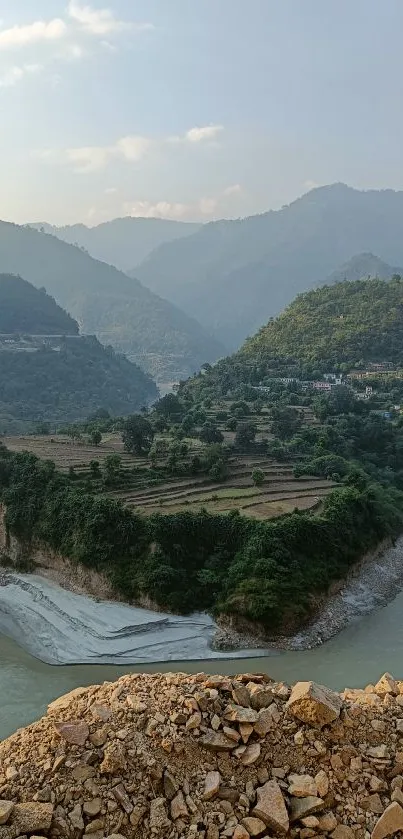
{"points": [[309, 184], [204, 208], [198, 134], [32, 33], [15, 74], [94, 158], [111, 190], [132, 148], [101, 21], [88, 158]]}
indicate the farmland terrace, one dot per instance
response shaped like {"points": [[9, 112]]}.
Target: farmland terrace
{"points": [[139, 489]]}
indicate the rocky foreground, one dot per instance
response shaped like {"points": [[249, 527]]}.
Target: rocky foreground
{"points": [[204, 757]]}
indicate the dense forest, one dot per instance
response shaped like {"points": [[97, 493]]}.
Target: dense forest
{"points": [[334, 328], [120, 311], [25, 309], [233, 275], [60, 379]]}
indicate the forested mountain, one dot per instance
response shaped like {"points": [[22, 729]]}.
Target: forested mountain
{"points": [[123, 242], [25, 309], [363, 266], [234, 275], [59, 378], [119, 310], [339, 327]]}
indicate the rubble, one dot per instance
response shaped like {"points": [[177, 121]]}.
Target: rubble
{"points": [[179, 756]]}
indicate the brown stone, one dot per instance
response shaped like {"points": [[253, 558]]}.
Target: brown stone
{"points": [[253, 826], [246, 729], [314, 704], [74, 732], [122, 798], [327, 822], [300, 807], [343, 831], [170, 785], [114, 758], [389, 823], [76, 818], [216, 741], [270, 807], [322, 783], [260, 696], [240, 832], [211, 785], [6, 808], [373, 803], [92, 808], [31, 817], [240, 695], [82, 772], [264, 722], [251, 754], [236, 713], [179, 809], [301, 786], [386, 684], [101, 712], [159, 821]]}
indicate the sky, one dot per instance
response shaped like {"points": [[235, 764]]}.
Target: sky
{"points": [[194, 109]]}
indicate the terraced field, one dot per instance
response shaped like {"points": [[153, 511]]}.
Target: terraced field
{"points": [[280, 492]]}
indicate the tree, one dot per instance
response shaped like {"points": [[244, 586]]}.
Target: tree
{"points": [[258, 477], [112, 466], [285, 422], [95, 469], [245, 435], [210, 433], [138, 434], [95, 437], [170, 406]]}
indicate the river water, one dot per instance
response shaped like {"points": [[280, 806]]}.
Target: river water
{"points": [[356, 656]]}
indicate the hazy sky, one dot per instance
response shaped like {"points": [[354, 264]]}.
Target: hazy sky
{"points": [[194, 109]]}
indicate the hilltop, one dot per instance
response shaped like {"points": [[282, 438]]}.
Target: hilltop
{"points": [[363, 266], [48, 372], [25, 309], [176, 755], [335, 327], [120, 311], [123, 242], [234, 275]]}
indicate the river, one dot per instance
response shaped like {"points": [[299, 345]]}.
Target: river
{"points": [[354, 657]]}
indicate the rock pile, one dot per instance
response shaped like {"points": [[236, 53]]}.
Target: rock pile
{"points": [[208, 757]]}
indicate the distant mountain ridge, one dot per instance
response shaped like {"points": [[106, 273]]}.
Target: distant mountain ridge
{"points": [[123, 313], [234, 275], [361, 267], [48, 372], [122, 242]]}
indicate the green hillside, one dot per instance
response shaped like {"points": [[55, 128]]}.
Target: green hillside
{"points": [[166, 342], [26, 309], [338, 327], [48, 372]]}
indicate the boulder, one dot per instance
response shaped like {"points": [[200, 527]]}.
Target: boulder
{"points": [[6, 808], [211, 785], [237, 713], [300, 807], [300, 786], [216, 741], [31, 817], [389, 823], [386, 685], [314, 704], [74, 732], [253, 826], [270, 807]]}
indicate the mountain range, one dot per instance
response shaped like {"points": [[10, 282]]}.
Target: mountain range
{"points": [[123, 242], [165, 341], [234, 275], [48, 372]]}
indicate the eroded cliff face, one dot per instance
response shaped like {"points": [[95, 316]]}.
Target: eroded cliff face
{"points": [[53, 566], [208, 756]]}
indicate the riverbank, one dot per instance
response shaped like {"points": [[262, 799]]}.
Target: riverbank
{"points": [[58, 626]]}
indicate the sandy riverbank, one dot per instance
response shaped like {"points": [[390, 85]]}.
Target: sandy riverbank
{"points": [[62, 627]]}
